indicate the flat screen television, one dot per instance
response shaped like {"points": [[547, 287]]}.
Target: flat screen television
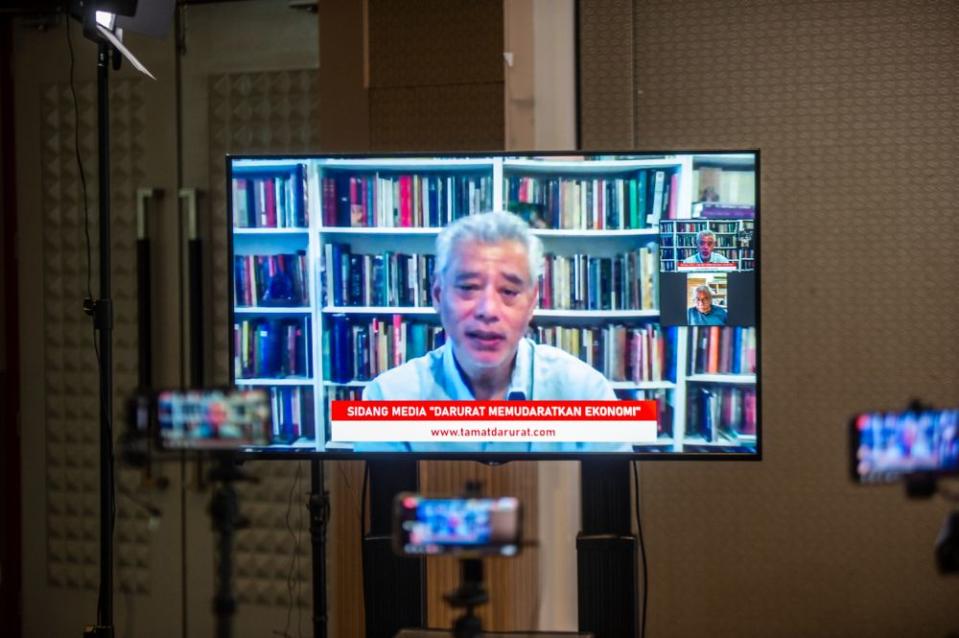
{"points": [[500, 305]]}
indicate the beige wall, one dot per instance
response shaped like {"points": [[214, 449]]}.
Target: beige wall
{"points": [[853, 108]]}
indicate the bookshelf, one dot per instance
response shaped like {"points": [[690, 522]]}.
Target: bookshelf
{"points": [[362, 239], [273, 292], [720, 386], [566, 203]]}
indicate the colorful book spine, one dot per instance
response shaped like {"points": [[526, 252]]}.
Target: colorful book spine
{"points": [[280, 280], [271, 198], [602, 202], [722, 414], [362, 349], [271, 348], [387, 199], [722, 350], [621, 353], [293, 418]]}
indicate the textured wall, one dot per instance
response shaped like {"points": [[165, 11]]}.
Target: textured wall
{"points": [[435, 71], [264, 112], [853, 107]]}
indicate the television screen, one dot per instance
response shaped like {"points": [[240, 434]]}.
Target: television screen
{"points": [[501, 304]]}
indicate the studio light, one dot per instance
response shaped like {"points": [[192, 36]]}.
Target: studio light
{"points": [[106, 19]]}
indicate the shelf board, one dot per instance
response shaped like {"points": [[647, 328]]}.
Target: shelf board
{"points": [[642, 385], [745, 439], [302, 443], [378, 310], [377, 230], [547, 165], [595, 234], [722, 378], [268, 382], [539, 313], [594, 314], [265, 164], [347, 384], [539, 232], [270, 231], [431, 164], [272, 310], [617, 385]]}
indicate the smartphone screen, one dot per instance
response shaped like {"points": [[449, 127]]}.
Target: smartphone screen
{"points": [[886, 446], [462, 526], [212, 419]]}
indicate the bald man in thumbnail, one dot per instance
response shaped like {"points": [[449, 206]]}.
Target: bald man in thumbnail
{"points": [[705, 253], [705, 312]]}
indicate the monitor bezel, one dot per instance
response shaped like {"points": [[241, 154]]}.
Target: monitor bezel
{"points": [[279, 452]]}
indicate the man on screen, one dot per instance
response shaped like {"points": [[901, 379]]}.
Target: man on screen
{"points": [[485, 291], [705, 313], [706, 242], [485, 288]]}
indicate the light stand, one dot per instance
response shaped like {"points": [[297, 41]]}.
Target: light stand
{"points": [[319, 506], [226, 518], [102, 312]]}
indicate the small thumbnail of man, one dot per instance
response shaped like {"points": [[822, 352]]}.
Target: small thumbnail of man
{"points": [[707, 300], [705, 250]]}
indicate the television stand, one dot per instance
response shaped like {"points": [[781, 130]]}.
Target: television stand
{"points": [[393, 586], [606, 551]]}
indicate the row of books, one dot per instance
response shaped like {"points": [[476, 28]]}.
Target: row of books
{"points": [[636, 201], [717, 414], [360, 350], [271, 348], [627, 281], [383, 279], [270, 200], [271, 280], [391, 200], [722, 227], [693, 227], [621, 353], [292, 413], [722, 350]]}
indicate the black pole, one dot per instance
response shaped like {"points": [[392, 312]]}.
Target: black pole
{"points": [[103, 322], [319, 518], [224, 507], [606, 551], [195, 276], [226, 519], [144, 309]]}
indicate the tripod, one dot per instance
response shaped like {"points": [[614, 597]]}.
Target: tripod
{"points": [[226, 519], [470, 594]]}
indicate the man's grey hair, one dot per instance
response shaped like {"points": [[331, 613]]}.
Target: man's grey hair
{"points": [[703, 233], [704, 288], [489, 228]]}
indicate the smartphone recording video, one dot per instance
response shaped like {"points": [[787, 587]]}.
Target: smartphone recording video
{"points": [[209, 419], [458, 526], [887, 446]]}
